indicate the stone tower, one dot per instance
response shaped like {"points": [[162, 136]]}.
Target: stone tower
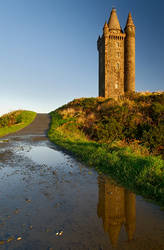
{"points": [[116, 58]]}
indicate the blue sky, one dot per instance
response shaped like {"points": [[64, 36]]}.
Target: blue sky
{"points": [[48, 49]]}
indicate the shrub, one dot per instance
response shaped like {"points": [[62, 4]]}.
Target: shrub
{"points": [[134, 117]]}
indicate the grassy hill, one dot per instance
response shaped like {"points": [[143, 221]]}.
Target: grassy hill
{"points": [[14, 121], [123, 138]]}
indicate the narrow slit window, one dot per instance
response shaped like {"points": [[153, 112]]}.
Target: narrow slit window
{"points": [[116, 85], [118, 54], [117, 44], [117, 66]]}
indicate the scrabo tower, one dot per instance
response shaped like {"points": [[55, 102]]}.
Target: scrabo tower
{"points": [[116, 58]]}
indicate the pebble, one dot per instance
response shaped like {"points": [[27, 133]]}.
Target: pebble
{"points": [[16, 211], [59, 233], [19, 238]]}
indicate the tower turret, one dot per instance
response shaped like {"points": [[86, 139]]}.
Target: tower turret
{"points": [[130, 55], [106, 30]]}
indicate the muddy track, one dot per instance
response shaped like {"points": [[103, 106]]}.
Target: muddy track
{"points": [[39, 126]]}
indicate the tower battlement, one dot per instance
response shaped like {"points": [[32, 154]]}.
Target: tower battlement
{"points": [[116, 57]]}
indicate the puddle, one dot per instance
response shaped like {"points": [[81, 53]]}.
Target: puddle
{"points": [[45, 155], [50, 200]]}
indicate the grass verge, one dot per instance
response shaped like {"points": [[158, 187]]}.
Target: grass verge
{"points": [[142, 174], [15, 121]]}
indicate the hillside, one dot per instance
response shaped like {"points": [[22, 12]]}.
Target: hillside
{"points": [[15, 121], [123, 138]]}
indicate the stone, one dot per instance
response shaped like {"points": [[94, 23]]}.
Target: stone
{"points": [[116, 58]]}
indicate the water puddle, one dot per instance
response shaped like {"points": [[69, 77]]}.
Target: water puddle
{"points": [[45, 155], [51, 201]]}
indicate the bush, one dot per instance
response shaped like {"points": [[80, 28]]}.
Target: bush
{"points": [[135, 117], [18, 119], [4, 121]]}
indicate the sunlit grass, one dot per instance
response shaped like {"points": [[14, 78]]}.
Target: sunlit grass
{"points": [[24, 118]]}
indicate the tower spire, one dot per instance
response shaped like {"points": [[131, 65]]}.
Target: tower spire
{"points": [[129, 21], [106, 29], [113, 21], [105, 25]]}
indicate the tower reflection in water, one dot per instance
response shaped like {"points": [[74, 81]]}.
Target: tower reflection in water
{"points": [[116, 207]]}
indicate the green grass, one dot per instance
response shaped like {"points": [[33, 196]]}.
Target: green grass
{"points": [[133, 118], [140, 173], [24, 118]]}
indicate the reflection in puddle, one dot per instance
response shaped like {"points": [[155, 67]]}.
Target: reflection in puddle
{"points": [[117, 208], [44, 155], [44, 191]]}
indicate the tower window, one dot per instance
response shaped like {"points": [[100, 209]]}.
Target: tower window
{"points": [[118, 54], [116, 85], [117, 44], [117, 66]]}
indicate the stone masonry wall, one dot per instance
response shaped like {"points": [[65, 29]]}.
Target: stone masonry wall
{"points": [[114, 85], [101, 49]]}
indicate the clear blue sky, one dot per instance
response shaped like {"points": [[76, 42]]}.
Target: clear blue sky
{"points": [[48, 50]]}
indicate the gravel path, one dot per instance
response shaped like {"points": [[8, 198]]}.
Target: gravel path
{"points": [[39, 126]]}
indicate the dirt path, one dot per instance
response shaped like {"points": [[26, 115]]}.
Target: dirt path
{"points": [[39, 126], [48, 200]]}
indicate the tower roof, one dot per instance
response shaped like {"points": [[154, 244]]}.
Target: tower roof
{"points": [[113, 21], [105, 25], [129, 21]]}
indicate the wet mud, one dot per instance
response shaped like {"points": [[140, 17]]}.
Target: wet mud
{"points": [[48, 200]]}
